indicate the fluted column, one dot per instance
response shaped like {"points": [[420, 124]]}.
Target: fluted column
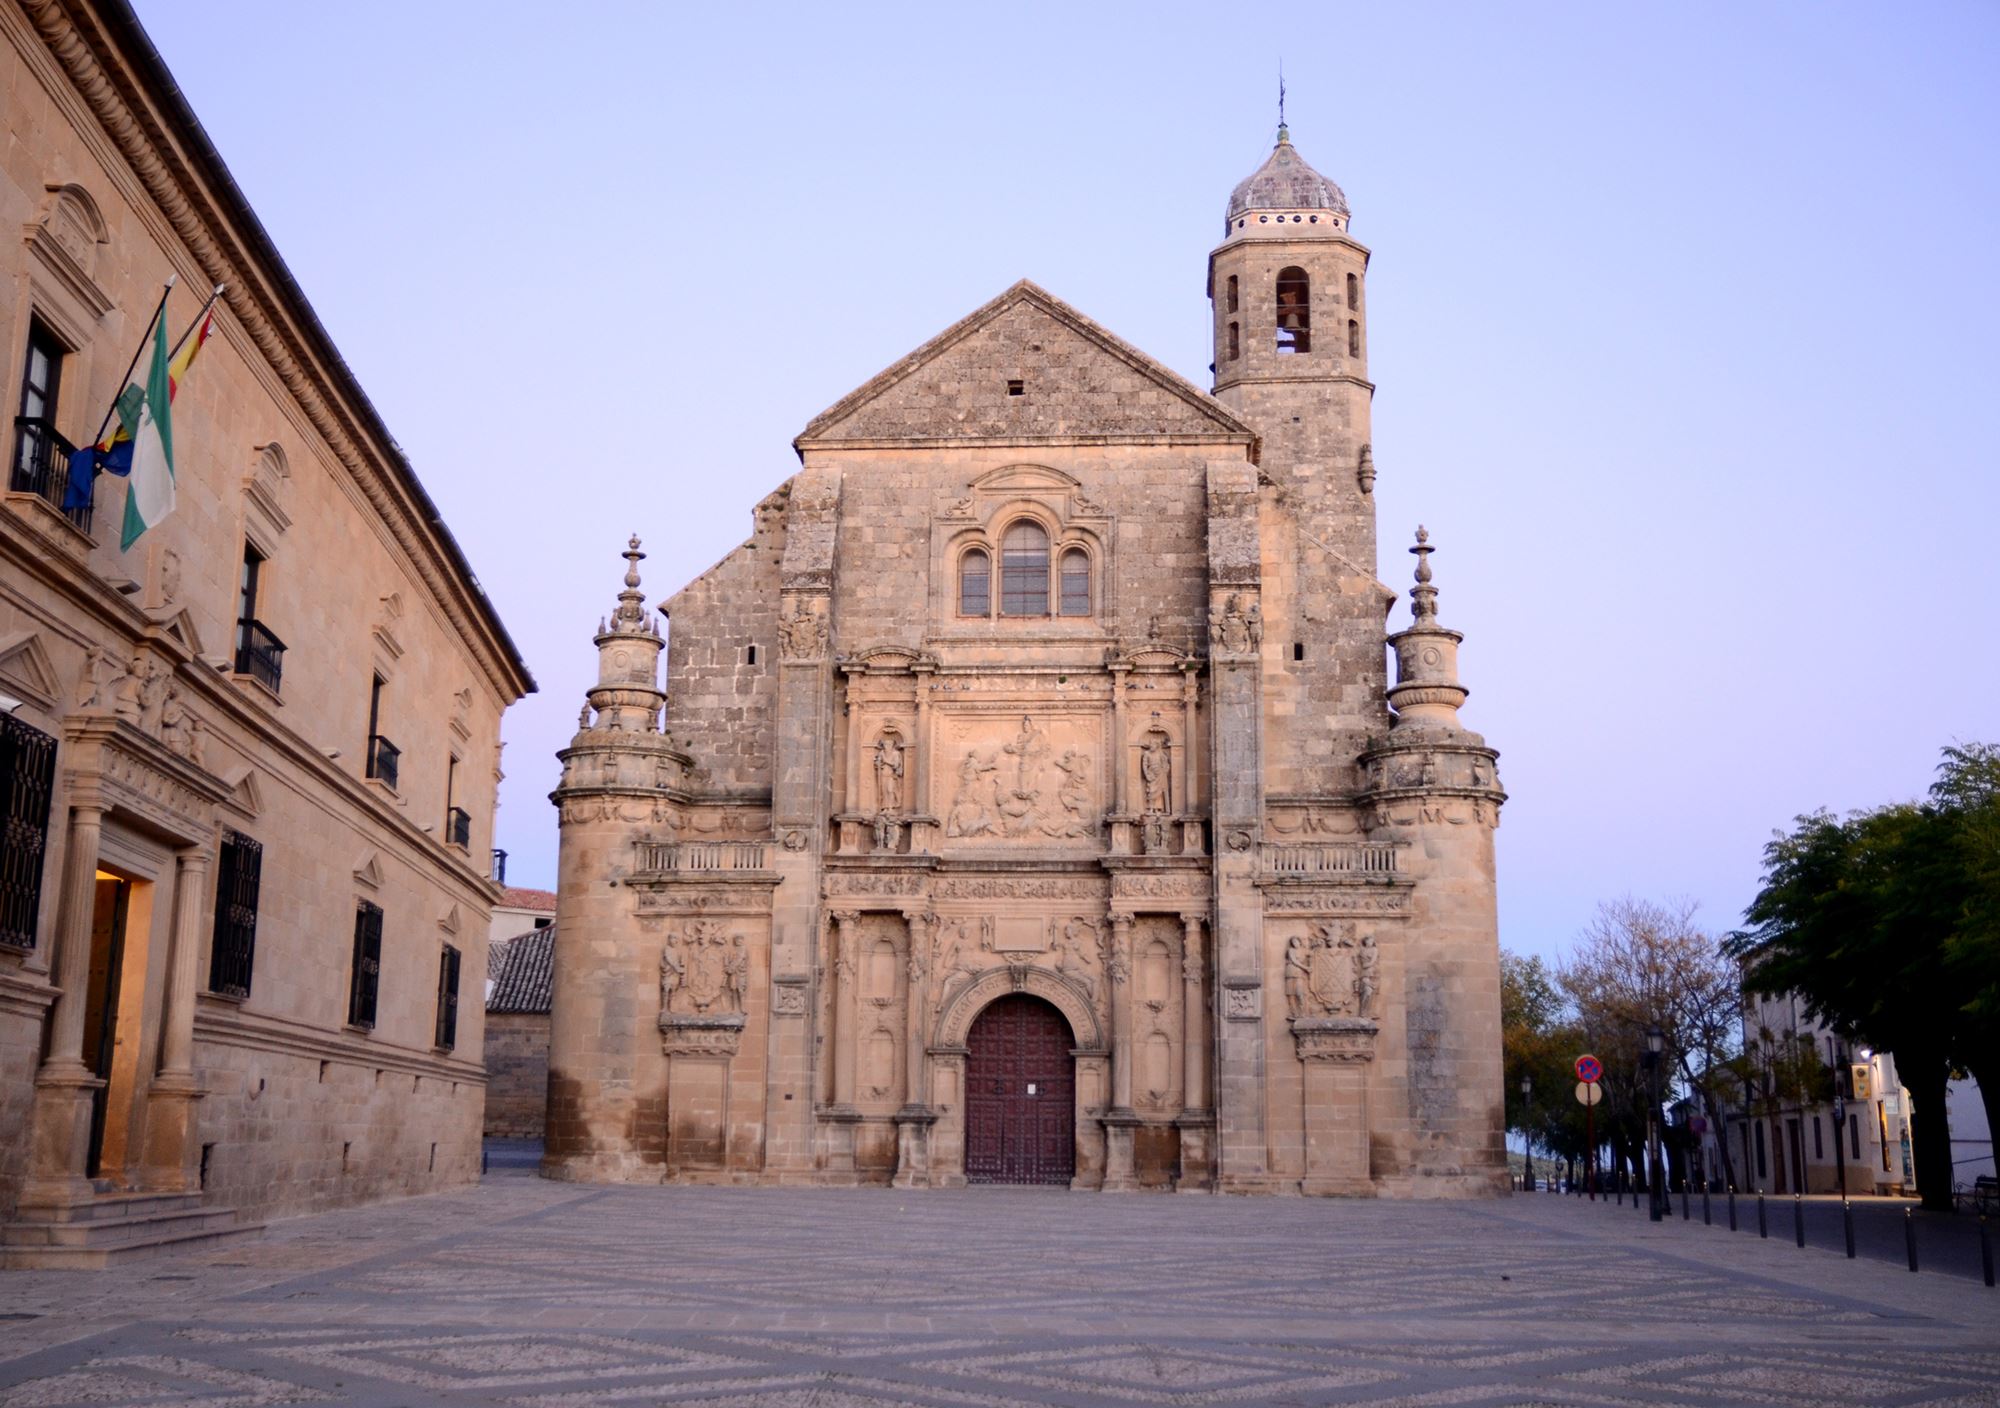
{"points": [[1118, 967], [1194, 1053], [846, 1016], [916, 1011], [177, 1016], [1120, 742], [79, 907]]}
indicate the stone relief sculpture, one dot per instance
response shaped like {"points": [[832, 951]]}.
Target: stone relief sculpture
{"points": [[1236, 630], [1029, 747], [1073, 946], [969, 815], [1329, 974], [704, 972], [1073, 796], [802, 634], [176, 725], [1156, 773], [889, 773], [888, 832], [90, 685]]}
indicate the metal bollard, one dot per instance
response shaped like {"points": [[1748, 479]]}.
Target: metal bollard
{"points": [[1705, 1219], [1910, 1237], [1799, 1217], [1985, 1251], [1847, 1224], [1763, 1228], [1732, 1207]]}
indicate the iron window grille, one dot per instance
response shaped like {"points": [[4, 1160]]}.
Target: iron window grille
{"points": [[447, 1010], [384, 758], [234, 949], [41, 467], [27, 781], [259, 654], [366, 978], [458, 827]]}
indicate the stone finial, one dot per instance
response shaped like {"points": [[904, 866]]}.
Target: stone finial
{"points": [[1423, 596], [631, 612], [1364, 473]]}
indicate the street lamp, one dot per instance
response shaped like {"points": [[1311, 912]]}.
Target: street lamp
{"points": [[1656, 1045], [1527, 1130]]}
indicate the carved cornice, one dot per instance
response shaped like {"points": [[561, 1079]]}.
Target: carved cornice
{"points": [[192, 188]]}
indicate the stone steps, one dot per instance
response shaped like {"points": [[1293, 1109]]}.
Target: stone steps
{"points": [[110, 1230]]}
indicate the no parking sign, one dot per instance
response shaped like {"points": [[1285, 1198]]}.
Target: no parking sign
{"points": [[1589, 1069]]}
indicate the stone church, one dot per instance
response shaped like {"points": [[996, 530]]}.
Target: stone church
{"points": [[1026, 799]]}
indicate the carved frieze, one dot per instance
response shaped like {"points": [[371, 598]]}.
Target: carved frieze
{"points": [[717, 1036], [788, 994], [1169, 884], [855, 882], [1336, 902], [1341, 1039], [1242, 999], [982, 887]]}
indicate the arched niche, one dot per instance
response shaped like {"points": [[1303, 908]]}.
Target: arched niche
{"points": [[961, 1007]]}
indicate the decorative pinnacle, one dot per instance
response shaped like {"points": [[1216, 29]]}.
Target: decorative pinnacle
{"points": [[1423, 596], [633, 557], [631, 612]]}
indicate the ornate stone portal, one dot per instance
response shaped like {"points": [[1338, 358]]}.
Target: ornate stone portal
{"points": [[1004, 698]]}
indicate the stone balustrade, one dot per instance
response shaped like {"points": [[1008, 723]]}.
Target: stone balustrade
{"points": [[1341, 858]]}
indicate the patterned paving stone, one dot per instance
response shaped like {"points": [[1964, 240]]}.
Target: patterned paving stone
{"points": [[529, 1293]]}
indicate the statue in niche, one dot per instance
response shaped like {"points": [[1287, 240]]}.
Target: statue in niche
{"points": [[1156, 773], [1073, 796], [1366, 980], [888, 832], [889, 773], [1153, 834], [969, 816], [1073, 945]]}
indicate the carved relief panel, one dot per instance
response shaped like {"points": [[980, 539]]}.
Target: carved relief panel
{"points": [[1030, 779], [1156, 981]]}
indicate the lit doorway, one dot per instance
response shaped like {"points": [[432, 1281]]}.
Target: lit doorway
{"points": [[110, 920]]}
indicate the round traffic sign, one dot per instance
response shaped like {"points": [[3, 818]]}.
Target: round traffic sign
{"points": [[1588, 1092], [1589, 1069]]}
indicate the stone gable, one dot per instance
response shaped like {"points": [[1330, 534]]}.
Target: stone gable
{"points": [[1076, 382]]}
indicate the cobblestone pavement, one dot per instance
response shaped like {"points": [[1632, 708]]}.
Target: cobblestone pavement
{"points": [[523, 1292]]}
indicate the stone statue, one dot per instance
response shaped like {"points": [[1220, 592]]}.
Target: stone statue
{"points": [[1366, 982], [888, 773], [90, 691], [736, 973], [1028, 749], [176, 730], [672, 971], [888, 832], [1073, 945], [969, 815], [1073, 795], [197, 752], [130, 695], [1298, 965], [1156, 773]]}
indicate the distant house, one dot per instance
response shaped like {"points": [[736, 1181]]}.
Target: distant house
{"points": [[520, 910], [517, 1032]]}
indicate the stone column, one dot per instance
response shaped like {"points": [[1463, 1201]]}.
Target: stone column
{"points": [[59, 1142], [1121, 744], [851, 716], [1119, 1120], [845, 1015], [917, 801], [914, 1120], [171, 1162], [1196, 1120]]}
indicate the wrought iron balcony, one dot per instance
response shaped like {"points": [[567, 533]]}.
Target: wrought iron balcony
{"points": [[259, 654], [384, 758], [41, 467], [458, 827]]}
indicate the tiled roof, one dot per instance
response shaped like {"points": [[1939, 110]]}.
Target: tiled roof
{"points": [[1286, 182], [526, 969], [520, 897]]}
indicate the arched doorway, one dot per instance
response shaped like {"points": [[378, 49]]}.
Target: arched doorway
{"points": [[1020, 1095]]}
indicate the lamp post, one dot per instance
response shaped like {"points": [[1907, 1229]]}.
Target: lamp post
{"points": [[1527, 1130], [1656, 1044]]}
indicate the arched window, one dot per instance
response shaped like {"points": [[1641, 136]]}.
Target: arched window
{"points": [[1235, 342], [1353, 291], [975, 584], [1024, 570], [1075, 582], [1294, 310], [1231, 289], [1353, 338]]}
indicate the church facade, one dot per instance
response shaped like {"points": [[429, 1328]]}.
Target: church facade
{"points": [[1027, 800]]}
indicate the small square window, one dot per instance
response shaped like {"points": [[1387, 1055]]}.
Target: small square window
{"points": [[1017, 387]]}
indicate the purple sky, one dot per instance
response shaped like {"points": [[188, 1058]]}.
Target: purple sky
{"points": [[1683, 322]]}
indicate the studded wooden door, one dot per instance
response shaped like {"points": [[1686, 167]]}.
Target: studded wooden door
{"points": [[1020, 1095]]}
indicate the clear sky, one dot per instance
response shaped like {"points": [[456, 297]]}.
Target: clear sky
{"points": [[1683, 320]]}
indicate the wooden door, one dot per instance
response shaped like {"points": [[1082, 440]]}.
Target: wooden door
{"points": [[1020, 1095]]}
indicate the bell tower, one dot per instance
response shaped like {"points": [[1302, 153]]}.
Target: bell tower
{"points": [[1288, 285]]}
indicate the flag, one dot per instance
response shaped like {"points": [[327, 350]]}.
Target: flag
{"points": [[150, 496], [113, 454]]}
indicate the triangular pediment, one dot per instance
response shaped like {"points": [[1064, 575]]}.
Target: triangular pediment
{"points": [[176, 624], [244, 795], [369, 872], [450, 920], [25, 668], [1025, 369]]}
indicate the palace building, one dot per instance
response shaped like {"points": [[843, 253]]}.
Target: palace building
{"points": [[249, 762], [1026, 799]]}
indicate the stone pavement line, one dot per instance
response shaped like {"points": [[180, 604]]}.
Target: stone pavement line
{"points": [[524, 1292]]}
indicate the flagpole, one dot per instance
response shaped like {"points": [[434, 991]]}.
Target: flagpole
{"points": [[126, 379], [195, 324]]}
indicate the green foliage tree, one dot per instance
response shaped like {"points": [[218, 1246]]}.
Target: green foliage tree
{"points": [[1967, 797], [1540, 1042]]}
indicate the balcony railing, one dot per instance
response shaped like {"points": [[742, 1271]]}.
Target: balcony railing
{"points": [[701, 855], [41, 467], [384, 758], [259, 654], [1336, 859], [458, 828]]}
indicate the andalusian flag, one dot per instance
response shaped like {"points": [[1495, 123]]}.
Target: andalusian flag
{"points": [[150, 495], [113, 454]]}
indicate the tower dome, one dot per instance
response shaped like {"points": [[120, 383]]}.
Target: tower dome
{"points": [[1286, 182]]}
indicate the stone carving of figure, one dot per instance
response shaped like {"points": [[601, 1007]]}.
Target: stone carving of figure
{"points": [[1232, 628], [703, 967], [130, 694], [888, 832], [175, 723], [1298, 966], [1156, 773], [1073, 795], [90, 690], [1366, 981], [170, 577], [672, 971], [1073, 947], [888, 773], [1029, 747], [969, 815], [197, 752], [152, 697], [736, 973], [583, 718], [1117, 948]]}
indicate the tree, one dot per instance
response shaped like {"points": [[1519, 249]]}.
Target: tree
{"points": [[1539, 1042], [1854, 916], [1967, 798]]}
